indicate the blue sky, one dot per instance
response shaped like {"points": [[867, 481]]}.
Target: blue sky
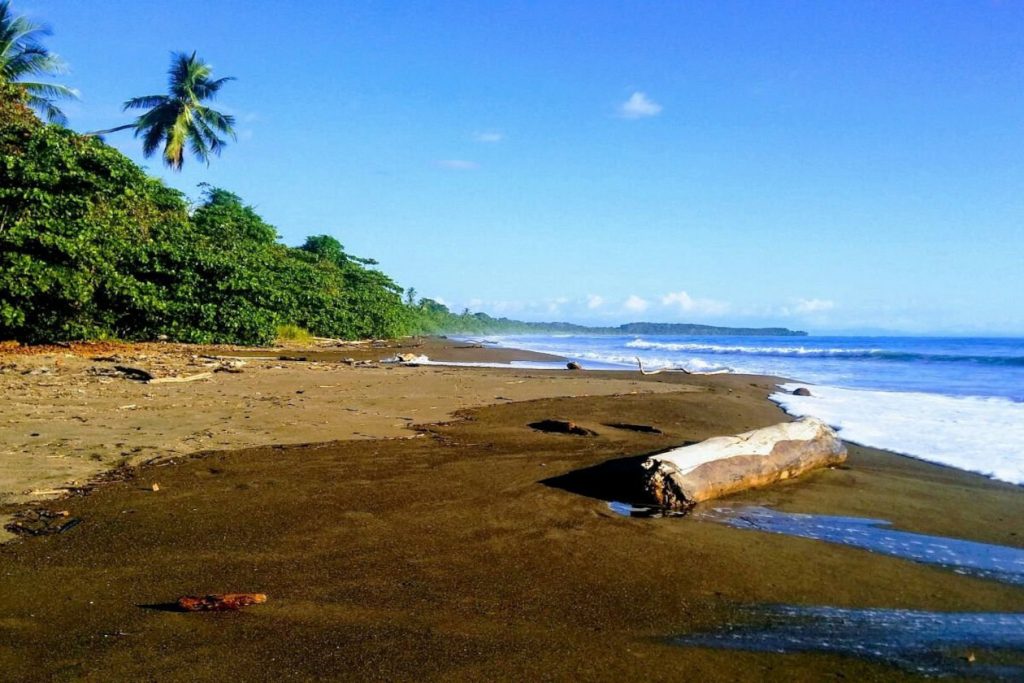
{"points": [[831, 166]]}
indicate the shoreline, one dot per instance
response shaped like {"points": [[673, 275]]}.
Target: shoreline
{"points": [[72, 417], [972, 432], [457, 544]]}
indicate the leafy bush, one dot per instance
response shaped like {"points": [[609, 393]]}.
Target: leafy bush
{"points": [[90, 247], [293, 333], [74, 216]]}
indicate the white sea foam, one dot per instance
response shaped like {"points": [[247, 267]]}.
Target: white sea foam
{"points": [[624, 361], [516, 364], [984, 435], [754, 350]]}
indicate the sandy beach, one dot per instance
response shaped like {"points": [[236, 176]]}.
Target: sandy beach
{"points": [[408, 524]]}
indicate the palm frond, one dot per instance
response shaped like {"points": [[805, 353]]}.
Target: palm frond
{"points": [[145, 102], [224, 123], [174, 147], [198, 145], [47, 108], [50, 90], [207, 90], [151, 138], [215, 143], [31, 61], [19, 30], [22, 55]]}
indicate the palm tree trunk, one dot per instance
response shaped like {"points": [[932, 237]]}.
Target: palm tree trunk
{"points": [[97, 133]]}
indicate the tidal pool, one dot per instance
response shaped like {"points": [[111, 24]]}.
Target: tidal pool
{"points": [[984, 560], [931, 643], [984, 644]]}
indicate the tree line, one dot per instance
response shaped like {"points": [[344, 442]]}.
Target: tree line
{"points": [[93, 248]]}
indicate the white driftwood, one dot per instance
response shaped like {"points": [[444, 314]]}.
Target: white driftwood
{"points": [[655, 372], [186, 378], [682, 477]]}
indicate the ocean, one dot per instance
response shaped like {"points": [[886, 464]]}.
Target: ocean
{"points": [[953, 401]]}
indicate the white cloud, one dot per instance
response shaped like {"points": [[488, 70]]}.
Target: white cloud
{"points": [[594, 301], [639, 106], [488, 136], [458, 164], [813, 306], [555, 305], [687, 303], [636, 304]]}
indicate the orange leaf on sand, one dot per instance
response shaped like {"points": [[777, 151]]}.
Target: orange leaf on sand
{"points": [[220, 602]]}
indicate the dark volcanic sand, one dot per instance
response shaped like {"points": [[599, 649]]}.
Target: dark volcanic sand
{"points": [[473, 553]]}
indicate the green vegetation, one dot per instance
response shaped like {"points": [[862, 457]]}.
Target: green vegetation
{"points": [[433, 318], [180, 117], [22, 56], [92, 248], [293, 333]]}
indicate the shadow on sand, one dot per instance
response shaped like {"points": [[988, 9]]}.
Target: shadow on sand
{"points": [[621, 480]]}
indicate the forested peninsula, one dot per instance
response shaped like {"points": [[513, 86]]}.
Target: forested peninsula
{"points": [[92, 248]]}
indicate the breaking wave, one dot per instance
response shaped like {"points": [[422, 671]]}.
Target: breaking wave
{"points": [[812, 352]]}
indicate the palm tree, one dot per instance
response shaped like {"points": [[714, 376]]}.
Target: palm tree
{"points": [[23, 56], [180, 117]]}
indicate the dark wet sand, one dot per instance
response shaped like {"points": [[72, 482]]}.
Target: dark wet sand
{"points": [[482, 551]]}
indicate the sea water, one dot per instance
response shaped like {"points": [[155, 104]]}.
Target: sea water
{"points": [[954, 401], [929, 643]]}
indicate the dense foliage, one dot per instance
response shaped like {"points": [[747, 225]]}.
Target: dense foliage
{"points": [[90, 247]]}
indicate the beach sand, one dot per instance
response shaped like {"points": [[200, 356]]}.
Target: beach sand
{"points": [[474, 549]]}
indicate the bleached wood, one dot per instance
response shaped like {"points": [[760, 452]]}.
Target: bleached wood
{"points": [[684, 476]]}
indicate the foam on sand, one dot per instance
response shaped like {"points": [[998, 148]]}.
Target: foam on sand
{"points": [[984, 435]]}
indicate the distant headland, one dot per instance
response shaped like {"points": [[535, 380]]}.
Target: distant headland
{"points": [[485, 324]]}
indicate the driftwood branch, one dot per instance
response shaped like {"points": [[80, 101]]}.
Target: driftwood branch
{"points": [[655, 372], [186, 378]]}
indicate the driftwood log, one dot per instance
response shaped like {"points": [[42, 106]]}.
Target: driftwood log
{"points": [[655, 372], [682, 477]]}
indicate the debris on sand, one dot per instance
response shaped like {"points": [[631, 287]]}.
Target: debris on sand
{"points": [[42, 522], [183, 378], [645, 429], [138, 374], [220, 602], [562, 427]]}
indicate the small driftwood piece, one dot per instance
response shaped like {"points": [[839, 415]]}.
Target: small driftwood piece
{"points": [[135, 373], [223, 602], [655, 372], [178, 380], [682, 477]]}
